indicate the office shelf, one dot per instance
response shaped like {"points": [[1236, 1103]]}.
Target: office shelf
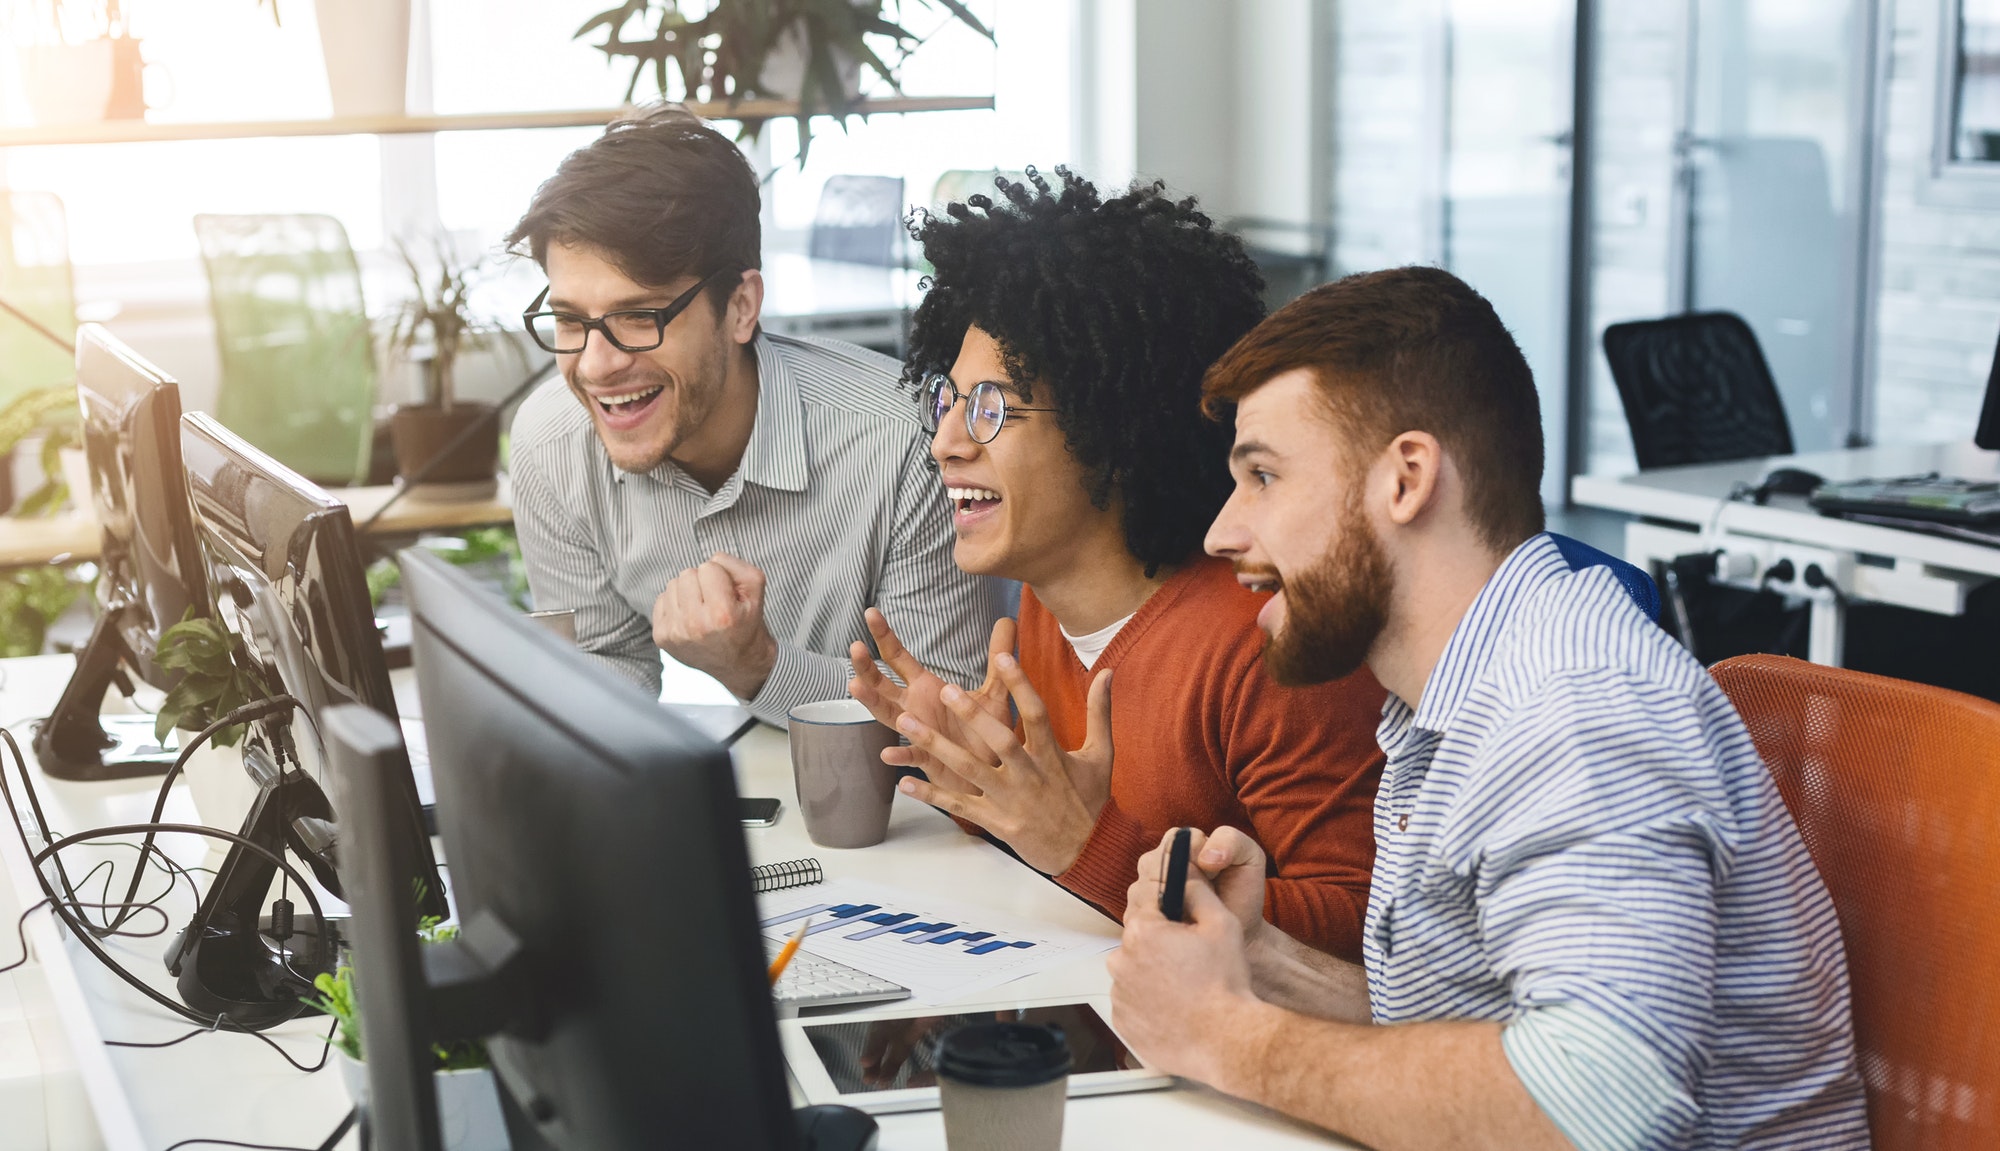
{"points": [[142, 132]]}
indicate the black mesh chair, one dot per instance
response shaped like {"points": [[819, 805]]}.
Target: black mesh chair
{"points": [[1696, 390]]}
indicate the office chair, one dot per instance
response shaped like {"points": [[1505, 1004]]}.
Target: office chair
{"points": [[1896, 790], [956, 185], [1696, 390], [859, 220], [35, 279], [298, 360]]}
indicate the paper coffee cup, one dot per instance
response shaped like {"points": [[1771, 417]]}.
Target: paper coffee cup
{"points": [[845, 790], [1003, 1086]]}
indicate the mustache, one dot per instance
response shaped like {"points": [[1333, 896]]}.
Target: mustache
{"points": [[1263, 573], [637, 374]]}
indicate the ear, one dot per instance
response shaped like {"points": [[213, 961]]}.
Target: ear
{"points": [[1415, 464], [746, 307]]}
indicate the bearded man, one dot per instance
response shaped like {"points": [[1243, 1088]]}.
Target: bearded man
{"points": [[695, 485], [1592, 922]]}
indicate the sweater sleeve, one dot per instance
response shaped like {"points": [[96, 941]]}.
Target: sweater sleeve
{"points": [[1305, 766]]}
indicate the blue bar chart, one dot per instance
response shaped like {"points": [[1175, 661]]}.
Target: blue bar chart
{"points": [[939, 950]]}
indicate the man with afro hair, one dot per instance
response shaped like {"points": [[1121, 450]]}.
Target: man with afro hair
{"points": [[1058, 359]]}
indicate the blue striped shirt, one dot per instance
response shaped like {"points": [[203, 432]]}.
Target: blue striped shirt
{"points": [[1577, 839]]}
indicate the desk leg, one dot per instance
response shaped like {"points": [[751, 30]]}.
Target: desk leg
{"points": [[1826, 642]]}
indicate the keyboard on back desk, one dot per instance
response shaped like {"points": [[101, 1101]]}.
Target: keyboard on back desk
{"points": [[810, 981]]}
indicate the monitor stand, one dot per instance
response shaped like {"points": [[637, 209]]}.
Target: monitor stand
{"points": [[75, 742], [225, 960]]}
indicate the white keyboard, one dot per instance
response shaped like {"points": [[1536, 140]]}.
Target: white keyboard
{"points": [[810, 981]]}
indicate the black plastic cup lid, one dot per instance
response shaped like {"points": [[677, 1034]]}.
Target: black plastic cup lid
{"points": [[1004, 1055]]}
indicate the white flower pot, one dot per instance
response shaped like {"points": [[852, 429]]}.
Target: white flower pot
{"points": [[366, 44], [76, 473], [83, 83], [469, 1116], [222, 791]]}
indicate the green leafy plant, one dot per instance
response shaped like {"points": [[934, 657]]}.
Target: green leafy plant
{"points": [[494, 552], [214, 680], [438, 316], [51, 413], [33, 598], [336, 998], [721, 53]]}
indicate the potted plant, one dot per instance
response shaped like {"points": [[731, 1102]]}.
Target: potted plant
{"points": [[469, 1117], [809, 51], [366, 46], [433, 327], [80, 62]]}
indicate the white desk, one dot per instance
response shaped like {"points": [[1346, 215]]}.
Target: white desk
{"points": [[1688, 510], [233, 1087]]}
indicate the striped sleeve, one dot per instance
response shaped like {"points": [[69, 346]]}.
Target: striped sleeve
{"points": [[566, 572], [1600, 902]]}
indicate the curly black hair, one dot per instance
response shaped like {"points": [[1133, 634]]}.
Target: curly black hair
{"points": [[1118, 306]]}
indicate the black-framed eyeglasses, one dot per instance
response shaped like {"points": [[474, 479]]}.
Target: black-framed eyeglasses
{"points": [[629, 330], [986, 407]]}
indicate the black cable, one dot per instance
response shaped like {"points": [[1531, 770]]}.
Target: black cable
{"points": [[256, 709], [328, 1144], [222, 1023], [21, 933]]}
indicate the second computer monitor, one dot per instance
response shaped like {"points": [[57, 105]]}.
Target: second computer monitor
{"points": [[602, 834]]}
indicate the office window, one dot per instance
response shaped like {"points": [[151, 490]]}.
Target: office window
{"points": [[1975, 82]]}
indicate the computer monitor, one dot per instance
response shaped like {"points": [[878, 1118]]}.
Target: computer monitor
{"points": [[602, 883], [1987, 435], [290, 583], [151, 567]]}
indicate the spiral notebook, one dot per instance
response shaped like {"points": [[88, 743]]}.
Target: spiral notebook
{"points": [[790, 873]]}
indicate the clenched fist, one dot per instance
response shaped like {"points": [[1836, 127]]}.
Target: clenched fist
{"points": [[711, 618]]}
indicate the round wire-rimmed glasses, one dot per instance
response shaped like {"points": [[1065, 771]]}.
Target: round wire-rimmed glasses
{"points": [[986, 407], [629, 329]]}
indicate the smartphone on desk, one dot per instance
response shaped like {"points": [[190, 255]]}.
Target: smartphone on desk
{"points": [[756, 812]]}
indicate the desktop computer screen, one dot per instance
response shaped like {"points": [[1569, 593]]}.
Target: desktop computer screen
{"points": [[289, 582], [1987, 434], [595, 837], [151, 563]]}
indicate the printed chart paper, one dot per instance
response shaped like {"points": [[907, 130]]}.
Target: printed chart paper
{"points": [[940, 949]]}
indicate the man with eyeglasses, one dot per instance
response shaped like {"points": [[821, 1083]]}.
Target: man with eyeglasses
{"points": [[1060, 354], [698, 486]]}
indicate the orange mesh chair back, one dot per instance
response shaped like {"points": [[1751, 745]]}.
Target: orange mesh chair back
{"points": [[1896, 790]]}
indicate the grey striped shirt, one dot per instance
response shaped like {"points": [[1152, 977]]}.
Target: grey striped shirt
{"points": [[835, 501]]}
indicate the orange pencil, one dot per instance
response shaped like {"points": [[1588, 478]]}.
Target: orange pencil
{"points": [[790, 949]]}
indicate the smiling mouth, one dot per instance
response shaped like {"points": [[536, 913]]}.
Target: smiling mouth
{"points": [[628, 403], [972, 499], [1261, 581]]}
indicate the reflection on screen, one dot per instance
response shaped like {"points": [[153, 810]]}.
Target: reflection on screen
{"points": [[892, 1054]]}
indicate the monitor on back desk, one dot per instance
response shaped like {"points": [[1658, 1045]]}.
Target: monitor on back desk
{"points": [[598, 868], [1987, 435], [290, 586], [151, 562]]}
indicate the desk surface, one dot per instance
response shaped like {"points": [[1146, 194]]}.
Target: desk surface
{"points": [[232, 1086], [73, 536], [1699, 493]]}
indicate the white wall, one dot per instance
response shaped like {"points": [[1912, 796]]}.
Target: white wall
{"points": [[1219, 100]]}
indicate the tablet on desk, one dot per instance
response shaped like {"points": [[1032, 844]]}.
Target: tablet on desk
{"points": [[886, 1061]]}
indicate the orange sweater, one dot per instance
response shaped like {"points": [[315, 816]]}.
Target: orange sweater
{"points": [[1203, 737]]}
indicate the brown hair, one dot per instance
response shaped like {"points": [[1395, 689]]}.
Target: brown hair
{"points": [[661, 193], [1410, 349]]}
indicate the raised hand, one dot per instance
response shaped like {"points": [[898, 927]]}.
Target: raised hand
{"points": [[888, 700], [711, 618], [1042, 799]]}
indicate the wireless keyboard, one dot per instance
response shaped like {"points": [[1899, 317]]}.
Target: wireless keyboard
{"points": [[810, 981]]}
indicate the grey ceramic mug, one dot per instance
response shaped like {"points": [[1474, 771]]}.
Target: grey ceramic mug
{"points": [[845, 790]]}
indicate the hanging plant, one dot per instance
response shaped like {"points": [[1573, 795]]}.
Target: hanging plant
{"points": [[721, 54]]}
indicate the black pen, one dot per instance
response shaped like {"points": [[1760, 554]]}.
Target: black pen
{"points": [[1173, 886]]}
